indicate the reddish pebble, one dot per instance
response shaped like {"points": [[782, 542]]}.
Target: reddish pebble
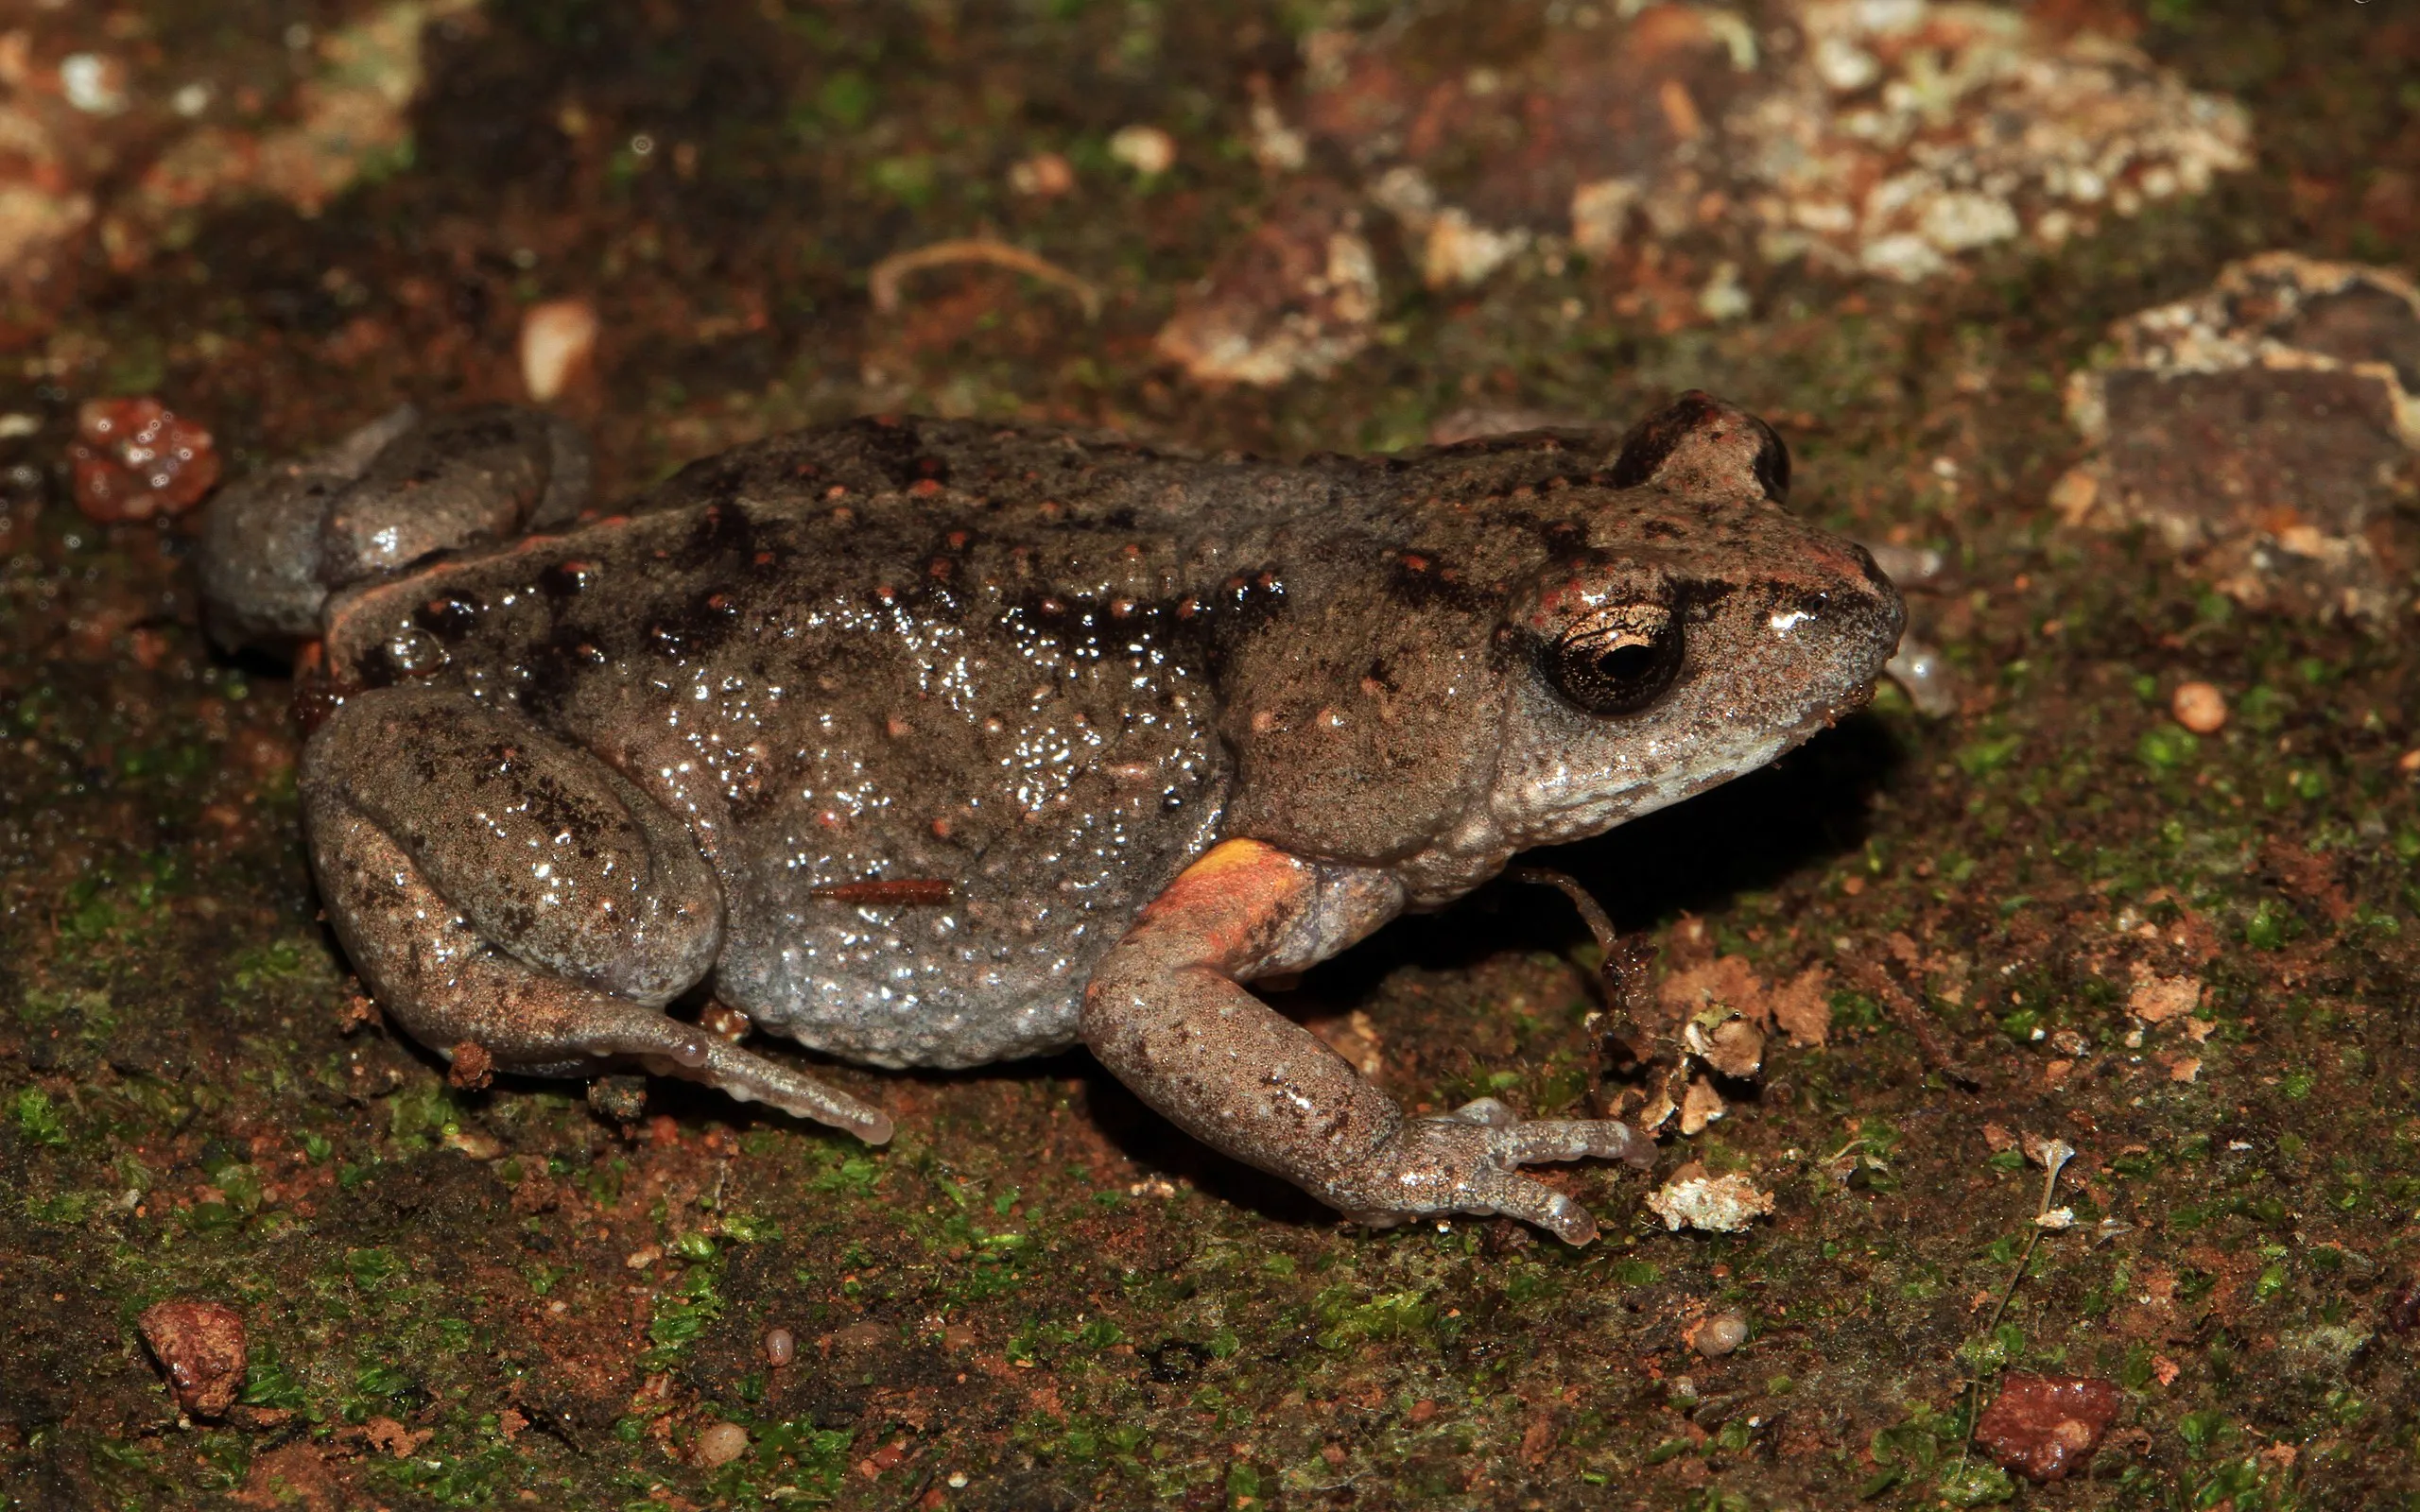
{"points": [[137, 460], [201, 1346], [719, 1444], [2045, 1428], [779, 1349], [2199, 707]]}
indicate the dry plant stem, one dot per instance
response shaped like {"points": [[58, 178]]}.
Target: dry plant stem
{"points": [[1974, 1388], [1617, 954], [882, 282]]}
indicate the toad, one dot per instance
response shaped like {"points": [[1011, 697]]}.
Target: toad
{"points": [[935, 743]]}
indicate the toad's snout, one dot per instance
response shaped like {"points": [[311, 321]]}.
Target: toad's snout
{"points": [[1871, 615]]}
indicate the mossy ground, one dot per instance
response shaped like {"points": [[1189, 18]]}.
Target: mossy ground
{"points": [[1040, 1296]]}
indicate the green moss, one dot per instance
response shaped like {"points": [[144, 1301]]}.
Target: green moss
{"points": [[39, 1120], [682, 1315], [1347, 1316], [1985, 757], [2272, 926], [1976, 1484], [845, 99], [2167, 748], [1988, 1353], [269, 1382]]}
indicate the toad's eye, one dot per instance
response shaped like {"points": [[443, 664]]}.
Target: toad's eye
{"points": [[1619, 661]]}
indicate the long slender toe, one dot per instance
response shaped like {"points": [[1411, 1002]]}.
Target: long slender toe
{"points": [[1573, 1139], [752, 1078], [1517, 1197], [677, 1049]]}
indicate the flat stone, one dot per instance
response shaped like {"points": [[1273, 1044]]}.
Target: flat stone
{"points": [[2046, 1428], [2263, 431]]}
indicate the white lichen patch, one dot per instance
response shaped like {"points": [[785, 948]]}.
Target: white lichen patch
{"points": [[1888, 137], [1908, 134], [1299, 297], [1722, 1203]]}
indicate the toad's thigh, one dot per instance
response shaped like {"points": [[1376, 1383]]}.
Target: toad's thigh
{"points": [[545, 852]]}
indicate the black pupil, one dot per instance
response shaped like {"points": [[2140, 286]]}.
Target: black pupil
{"points": [[1625, 663]]}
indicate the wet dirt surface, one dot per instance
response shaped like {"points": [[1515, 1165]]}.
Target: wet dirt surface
{"points": [[2055, 913]]}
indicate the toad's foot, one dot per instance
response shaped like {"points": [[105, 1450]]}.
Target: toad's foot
{"points": [[503, 890], [1469, 1160], [1166, 1011]]}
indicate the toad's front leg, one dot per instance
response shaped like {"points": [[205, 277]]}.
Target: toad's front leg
{"points": [[1167, 1012], [498, 888]]}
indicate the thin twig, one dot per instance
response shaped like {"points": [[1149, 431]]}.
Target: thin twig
{"points": [[1622, 960], [883, 281], [1591, 912], [2055, 1156]]}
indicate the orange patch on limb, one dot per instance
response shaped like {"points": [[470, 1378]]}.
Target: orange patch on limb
{"points": [[1228, 857], [1221, 896]]}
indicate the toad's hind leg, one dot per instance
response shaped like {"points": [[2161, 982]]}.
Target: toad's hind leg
{"points": [[499, 888]]}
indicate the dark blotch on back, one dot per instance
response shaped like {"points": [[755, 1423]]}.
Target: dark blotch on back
{"points": [[722, 530], [552, 667], [448, 616], [565, 579]]}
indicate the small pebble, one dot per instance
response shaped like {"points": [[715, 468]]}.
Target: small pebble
{"points": [[2199, 707], [720, 1444], [780, 1347], [555, 339], [477, 1143], [1719, 1335], [1045, 175], [92, 83], [1147, 149]]}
